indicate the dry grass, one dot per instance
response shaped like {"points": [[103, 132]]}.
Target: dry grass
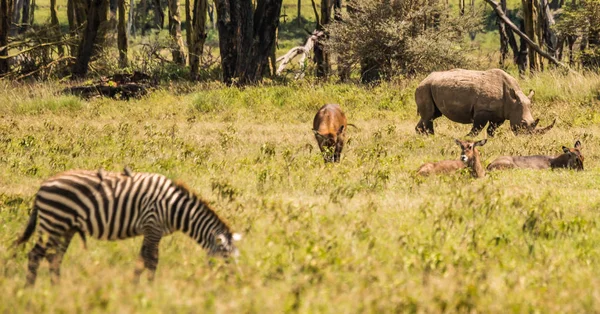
{"points": [[365, 235]]}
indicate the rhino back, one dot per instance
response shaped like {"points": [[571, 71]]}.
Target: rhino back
{"points": [[462, 94]]}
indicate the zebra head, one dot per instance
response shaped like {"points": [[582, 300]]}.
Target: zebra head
{"points": [[223, 245]]}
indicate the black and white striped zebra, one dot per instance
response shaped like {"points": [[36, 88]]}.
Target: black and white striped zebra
{"points": [[116, 206]]}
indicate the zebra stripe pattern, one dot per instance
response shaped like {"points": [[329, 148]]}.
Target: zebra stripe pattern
{"points": [[112, 206]]}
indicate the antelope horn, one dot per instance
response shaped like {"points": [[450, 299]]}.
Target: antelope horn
{"points": [[544, 130]]}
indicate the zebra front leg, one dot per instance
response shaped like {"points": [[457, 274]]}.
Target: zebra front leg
{"points": [[148, 256], [55, 258], [35, 255]]}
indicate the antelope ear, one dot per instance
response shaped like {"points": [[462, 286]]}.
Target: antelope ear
{"points": [[531, 93], [578, 144], [341, 129], [457, 141], [566, 149], [236, 236], [317, 134], [481, 143]]}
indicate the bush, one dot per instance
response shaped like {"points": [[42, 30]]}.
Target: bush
{"points": [[389, 38]]}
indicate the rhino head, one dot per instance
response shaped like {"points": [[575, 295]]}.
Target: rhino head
{"points": [[521, 121]]}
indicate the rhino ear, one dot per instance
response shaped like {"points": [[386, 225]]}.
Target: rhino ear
{"points": [[578, 144], [531, 93]]}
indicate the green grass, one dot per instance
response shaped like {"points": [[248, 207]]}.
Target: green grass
{"points": [[365, 235]]}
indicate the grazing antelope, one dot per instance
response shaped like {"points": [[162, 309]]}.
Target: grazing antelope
{"points": [[469, 157], [329, 127], [571, 159], [119, 206]]}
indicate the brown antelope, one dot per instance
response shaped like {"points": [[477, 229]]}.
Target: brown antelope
{"points": [[329, 127], [571, 159], [469, 157]]}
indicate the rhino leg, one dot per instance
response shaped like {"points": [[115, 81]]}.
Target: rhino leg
{"points": [[478, 125], [493, 126], [424, 127]]}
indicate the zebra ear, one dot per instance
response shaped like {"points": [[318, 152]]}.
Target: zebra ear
{"points": [[236, 236]]}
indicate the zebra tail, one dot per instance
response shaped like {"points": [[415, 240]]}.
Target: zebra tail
{"points": [[30, 227]]}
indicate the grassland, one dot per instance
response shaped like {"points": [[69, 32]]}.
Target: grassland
{"points": [[365, 235]]}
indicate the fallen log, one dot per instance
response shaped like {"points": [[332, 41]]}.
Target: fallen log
{"points": [[299, 50], [120, 92]]}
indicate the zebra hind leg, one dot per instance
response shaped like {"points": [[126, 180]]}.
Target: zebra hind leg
{"points": [[56, 250], [148, 257], [35, 256]]}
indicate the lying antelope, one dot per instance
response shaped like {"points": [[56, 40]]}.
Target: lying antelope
{"points": [[469, 157], [571, 159], [329, 127]]}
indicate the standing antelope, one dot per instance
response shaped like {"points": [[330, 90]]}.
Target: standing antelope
{"points": [[469, 157], [119, 206], [329, 127], [571, 159]]}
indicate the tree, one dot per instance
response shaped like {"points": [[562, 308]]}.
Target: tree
{"points": [[533, 30], [96, 14], [321, 56], [175, 30], [582, 19], [246, 38], [196, 34], [5, 21], [122, 34]]}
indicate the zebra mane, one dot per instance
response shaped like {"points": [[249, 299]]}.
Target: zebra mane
{"points": [[183, 187]]}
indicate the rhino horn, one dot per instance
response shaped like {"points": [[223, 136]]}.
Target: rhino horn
{"points": [[544, 130]]}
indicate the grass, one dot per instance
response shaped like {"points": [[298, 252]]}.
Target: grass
{"points": [[365, 235]]}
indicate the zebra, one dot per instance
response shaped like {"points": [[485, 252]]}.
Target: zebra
{"points": [[119, 206]]}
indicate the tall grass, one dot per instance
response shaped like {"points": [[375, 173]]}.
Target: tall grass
{"points": [[365, 235]]}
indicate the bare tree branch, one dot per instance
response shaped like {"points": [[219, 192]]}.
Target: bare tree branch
{"points": [[531, 44]]}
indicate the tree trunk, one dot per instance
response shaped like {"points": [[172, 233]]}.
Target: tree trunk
{"points": [[550, 40], [246, 39], [159, 14], [299, 15], [211, 14], [80, 7], [503, 36], [197, 36], [533, 31], [5, 21], [122, 35], [266, 22], [113, 4], [56, 26], [16, 19], [27, 10], [95, 15], [523, 51], [321, 56], [226, 24], [131, 20], [178, 50], [342, 67], [245, 36]]}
